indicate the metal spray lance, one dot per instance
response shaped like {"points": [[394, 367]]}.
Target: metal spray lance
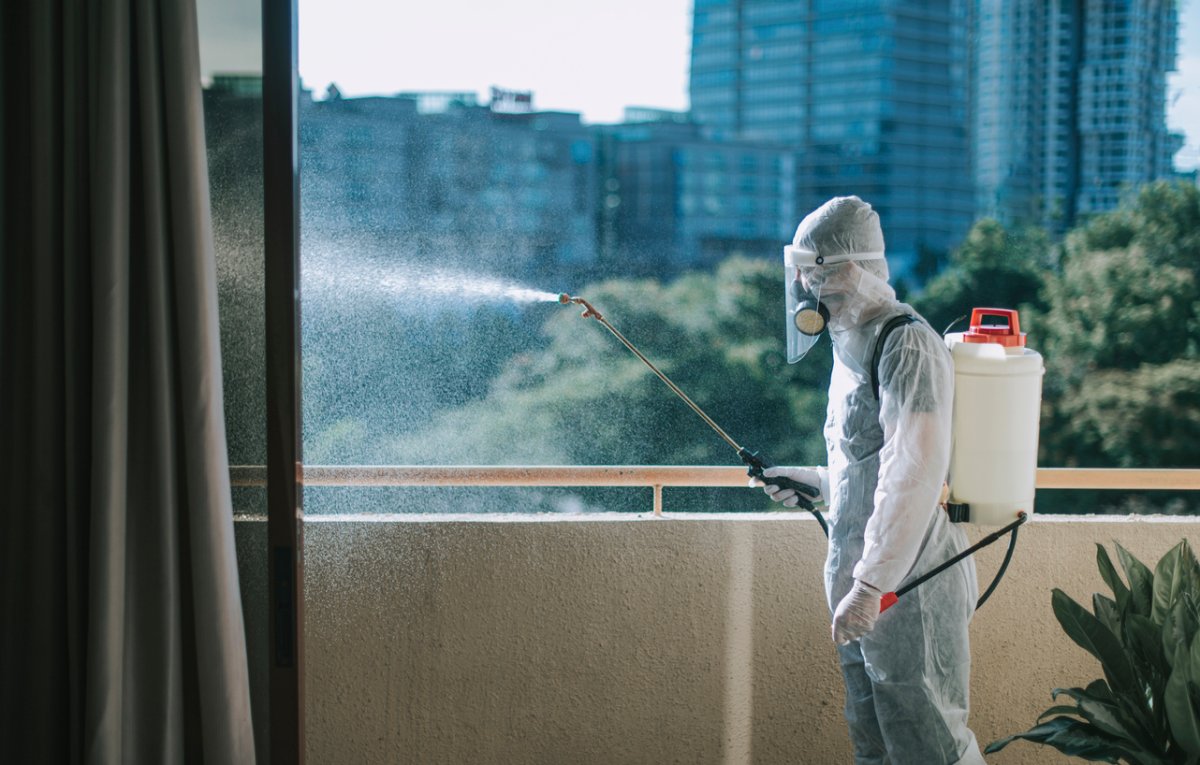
{"points": [[756, 462]]}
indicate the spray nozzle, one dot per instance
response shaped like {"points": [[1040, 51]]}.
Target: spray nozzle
{"points": [[589, 311]]}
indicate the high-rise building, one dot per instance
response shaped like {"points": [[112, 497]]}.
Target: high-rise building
{"points": [[1069, 105], [872, 95], [673, 200], [441, 178]]}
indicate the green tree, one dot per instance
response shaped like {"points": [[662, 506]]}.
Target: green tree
{"points": [[993, 268], [1163, 219], [1120, 336]]}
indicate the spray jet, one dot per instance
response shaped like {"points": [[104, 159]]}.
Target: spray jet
{"points": [[756, 462]]}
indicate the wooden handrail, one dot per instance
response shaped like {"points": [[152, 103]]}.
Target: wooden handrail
{"points": [[664, 475]]}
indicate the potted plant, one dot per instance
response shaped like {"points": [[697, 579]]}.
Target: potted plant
{"points": [[1145, 709]]}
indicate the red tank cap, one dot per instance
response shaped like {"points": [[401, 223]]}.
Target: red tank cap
{"points": [[1009, 335]]}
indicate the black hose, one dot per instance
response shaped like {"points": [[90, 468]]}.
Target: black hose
{"points": [[821, 520], [989, 539], [1012, 545]]}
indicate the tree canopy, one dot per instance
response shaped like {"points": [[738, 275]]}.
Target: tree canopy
{"points": [[1120, 332]]}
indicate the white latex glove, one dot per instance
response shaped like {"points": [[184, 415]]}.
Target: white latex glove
{"points": [[855, 616], [788, 496]]}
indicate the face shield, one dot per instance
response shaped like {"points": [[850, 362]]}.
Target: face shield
{"points": [[832, 297], [807, 316]]}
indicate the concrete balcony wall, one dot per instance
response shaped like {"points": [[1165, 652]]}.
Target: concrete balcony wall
{"points": [[635, 640]]}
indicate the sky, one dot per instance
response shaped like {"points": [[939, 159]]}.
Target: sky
{"points": [[574, 55]]}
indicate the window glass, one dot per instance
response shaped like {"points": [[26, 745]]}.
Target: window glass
{"points": [[231, 62], [230, 37], [463, 165]]}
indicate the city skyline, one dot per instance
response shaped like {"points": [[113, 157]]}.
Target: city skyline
{"points": [[509, 47]]}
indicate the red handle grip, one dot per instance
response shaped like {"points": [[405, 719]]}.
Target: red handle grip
{"points": [[1008, 314], [887, 601]]}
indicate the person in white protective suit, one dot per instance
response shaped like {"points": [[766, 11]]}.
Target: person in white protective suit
{"points": [[906, 670]]}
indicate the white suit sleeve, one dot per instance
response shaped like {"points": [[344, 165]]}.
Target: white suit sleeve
{"points": [[916, 398]]}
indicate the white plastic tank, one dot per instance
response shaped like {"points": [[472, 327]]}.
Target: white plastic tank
{"points": [[997, 407]]}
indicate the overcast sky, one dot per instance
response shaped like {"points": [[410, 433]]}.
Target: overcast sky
{"points": [[589, 57]]}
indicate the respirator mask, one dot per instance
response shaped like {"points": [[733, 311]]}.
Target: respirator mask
{"points": [[807, 315]]}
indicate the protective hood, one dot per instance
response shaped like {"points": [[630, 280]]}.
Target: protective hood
{"points": [[835, 272], [842, 229]]}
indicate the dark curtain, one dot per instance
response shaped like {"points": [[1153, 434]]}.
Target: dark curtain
{"points": [[122, 637]]}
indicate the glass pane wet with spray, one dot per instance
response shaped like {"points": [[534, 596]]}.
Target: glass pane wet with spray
{"points": [[230, 33], [464, 165], [500, 158], [230, 56]]}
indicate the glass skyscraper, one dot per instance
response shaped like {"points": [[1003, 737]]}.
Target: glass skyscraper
{"points": [[674, 200], [873, 96], [1070, 105]]}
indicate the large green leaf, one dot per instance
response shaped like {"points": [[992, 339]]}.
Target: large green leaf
{"points": [[1181, 711], [1107, 611], [1194, 661], [1143, 640], [1072, 737], [1105, 715], [1179, 627], [1061, 709], [1109, 574], [1090, 634], [1174, 574], [1141, 582], [1098, 689]]}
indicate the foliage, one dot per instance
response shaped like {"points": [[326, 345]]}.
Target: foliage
{"points": [[994, 267], [371, 371], [1118, 309], [1120, 332], [1145, 709], [1128, 292], [1142, 417], [1163, 219]]}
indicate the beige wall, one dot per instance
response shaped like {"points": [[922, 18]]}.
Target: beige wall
{"points": [[634, 640]]}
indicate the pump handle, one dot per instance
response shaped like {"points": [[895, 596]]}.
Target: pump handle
{"points": [[758, 462]]}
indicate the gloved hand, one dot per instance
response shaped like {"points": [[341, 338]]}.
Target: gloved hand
{"points": [[855, 616], [788, 496]]}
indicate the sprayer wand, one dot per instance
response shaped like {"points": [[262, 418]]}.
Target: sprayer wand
{"points": [[755, 461]]}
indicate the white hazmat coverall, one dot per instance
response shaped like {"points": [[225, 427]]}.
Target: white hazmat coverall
{"points": [[907, 677]]}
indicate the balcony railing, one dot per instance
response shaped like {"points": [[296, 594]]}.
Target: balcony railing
{"points": [[657, 477], [639, 641]]}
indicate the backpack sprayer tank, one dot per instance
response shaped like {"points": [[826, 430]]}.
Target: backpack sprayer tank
{"points": [[997, 403]]}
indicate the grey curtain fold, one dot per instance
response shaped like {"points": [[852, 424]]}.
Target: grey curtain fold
{"points": [[123, 637]]}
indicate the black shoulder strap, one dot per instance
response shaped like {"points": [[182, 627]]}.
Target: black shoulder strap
{"points": [[892, 323]]}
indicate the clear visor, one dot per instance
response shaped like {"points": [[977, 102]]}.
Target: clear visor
{"points": [[839, 276]]}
